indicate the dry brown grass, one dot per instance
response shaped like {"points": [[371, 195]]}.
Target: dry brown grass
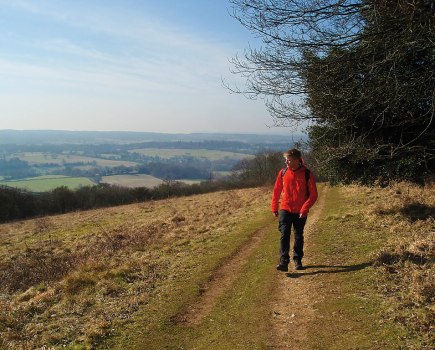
{"points": [[75, 278], [405, 266]]}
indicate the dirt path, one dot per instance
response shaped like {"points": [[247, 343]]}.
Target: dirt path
{"points": [[221, 280], [293, 305], [294, 302]]}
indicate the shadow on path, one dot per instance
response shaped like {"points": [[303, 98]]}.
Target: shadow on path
{"points": [[320, 269]]}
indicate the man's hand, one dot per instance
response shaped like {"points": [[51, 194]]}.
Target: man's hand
{"points": [[301, 216], [275, 213]]}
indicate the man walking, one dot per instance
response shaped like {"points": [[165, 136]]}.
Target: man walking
{"points": [[299, 192]]}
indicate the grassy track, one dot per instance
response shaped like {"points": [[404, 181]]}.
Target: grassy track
{"points": [[349, 312], [154, 327], [341, 284]]}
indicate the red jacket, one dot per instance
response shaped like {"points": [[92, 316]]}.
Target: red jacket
{"points": [[293, 187]]}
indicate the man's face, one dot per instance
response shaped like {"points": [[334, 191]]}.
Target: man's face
{"points": [[292, 163]]}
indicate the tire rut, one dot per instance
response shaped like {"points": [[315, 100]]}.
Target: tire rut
{"points": [[220, 281]]}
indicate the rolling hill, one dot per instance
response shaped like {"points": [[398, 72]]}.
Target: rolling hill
{"points": [[199, 272]]}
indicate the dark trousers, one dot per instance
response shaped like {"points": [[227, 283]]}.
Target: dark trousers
{"points": [[286, 221]]}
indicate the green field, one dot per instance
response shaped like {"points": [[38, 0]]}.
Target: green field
{"points": [[197, 153], [47, 183], [139, 180], [190, 182], [221, 174], [34, 158]]}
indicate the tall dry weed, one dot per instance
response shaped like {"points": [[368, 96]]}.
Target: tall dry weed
{"points": [[84, 272], [46, 264], [34, 266], [405, 266]]}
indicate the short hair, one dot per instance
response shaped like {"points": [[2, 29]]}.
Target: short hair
{"points": [[294, 153]]}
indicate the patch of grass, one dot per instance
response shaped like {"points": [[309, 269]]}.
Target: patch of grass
{"points": [[34, 266], [241, 319], [77, 281], [405, 265], [359, 314]]}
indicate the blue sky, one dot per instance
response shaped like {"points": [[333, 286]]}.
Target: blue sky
{"points": [[125, 65]]}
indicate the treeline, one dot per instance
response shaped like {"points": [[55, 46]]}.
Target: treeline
{"points": [[260, 170], [16, 168], [169, 171], [93, 150], [175, 171], [17, 204]]}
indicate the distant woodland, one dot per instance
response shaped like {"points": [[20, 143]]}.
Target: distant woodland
{"points": [[126, 160]]}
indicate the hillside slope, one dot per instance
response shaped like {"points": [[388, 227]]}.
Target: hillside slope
{"points": [[79, 278], [199, 273]]}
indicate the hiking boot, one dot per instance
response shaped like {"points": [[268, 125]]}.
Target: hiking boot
{"points": [[298, 265], [282, 267]]}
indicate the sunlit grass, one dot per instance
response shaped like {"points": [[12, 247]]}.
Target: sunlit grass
{"points": [[116, 277], [100, 268]]}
